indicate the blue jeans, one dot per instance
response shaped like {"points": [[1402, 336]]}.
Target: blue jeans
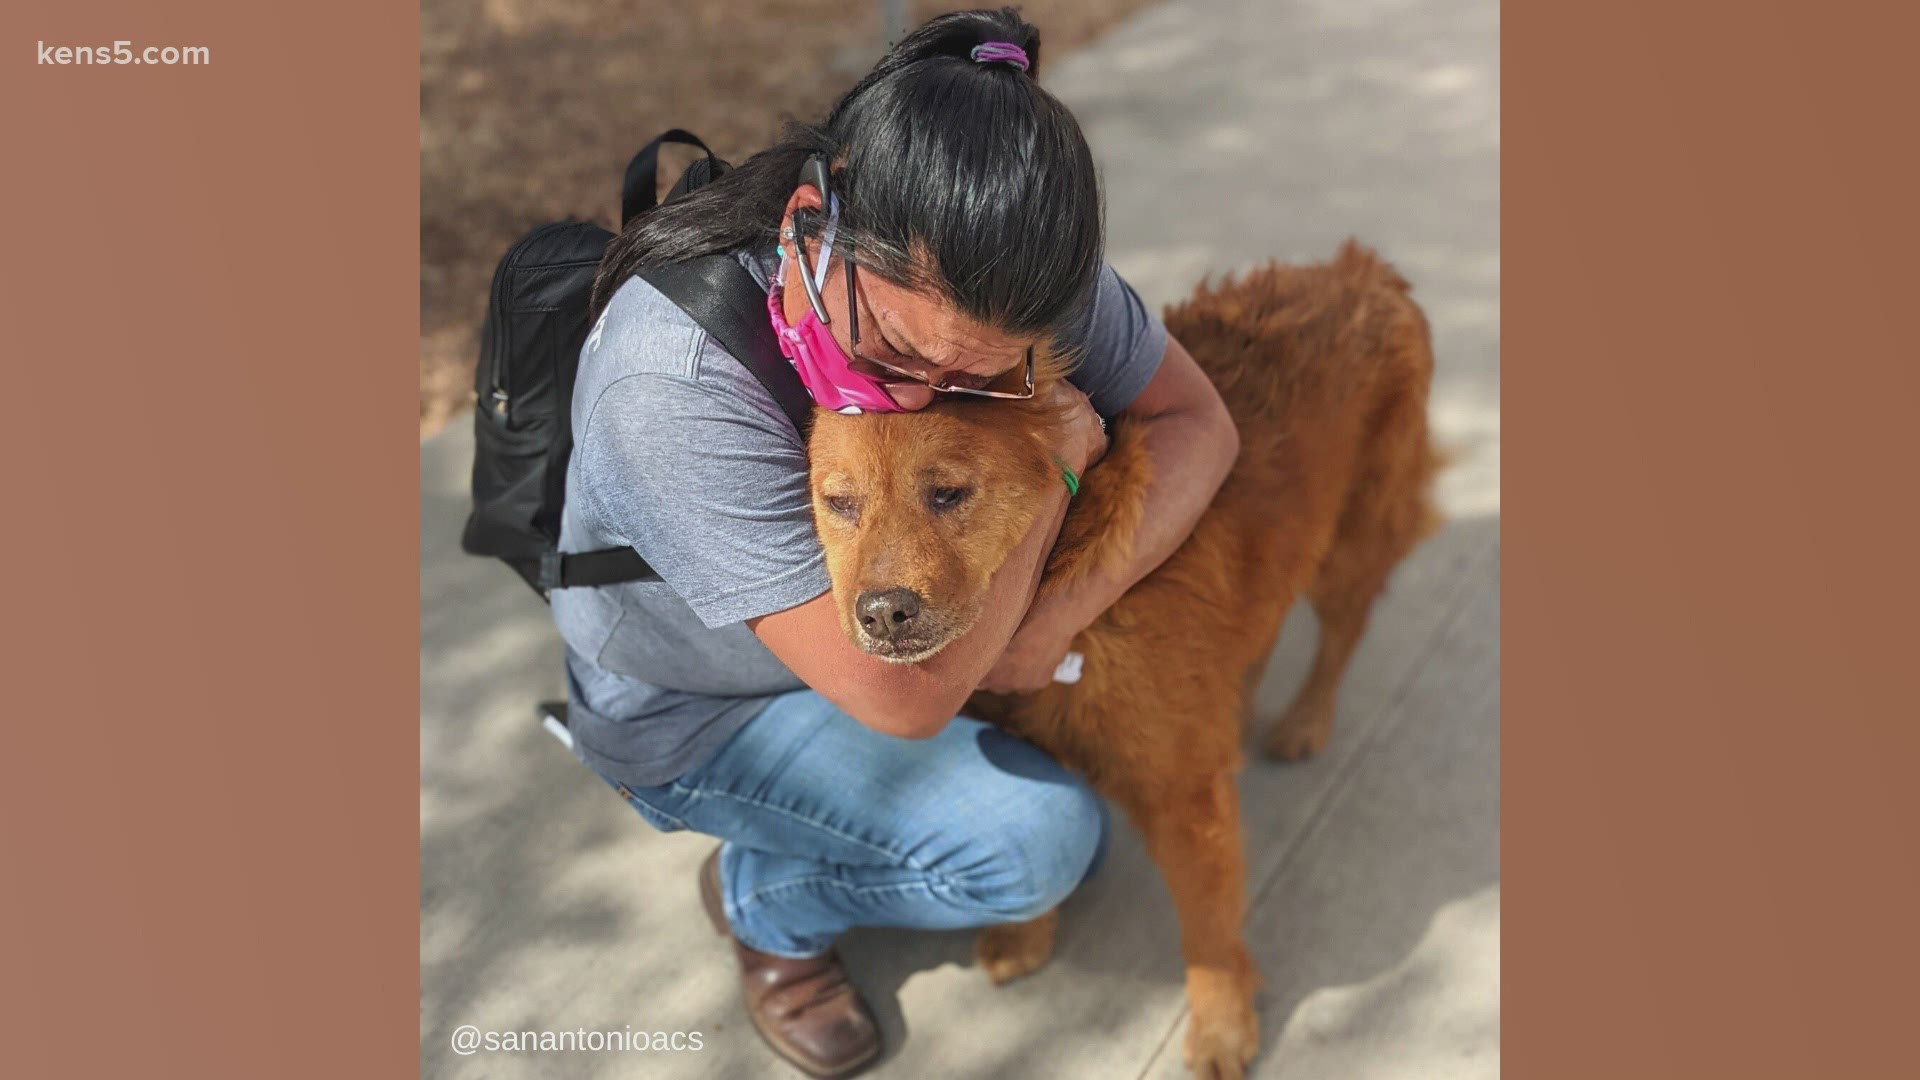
{"points": [[829, 825]]}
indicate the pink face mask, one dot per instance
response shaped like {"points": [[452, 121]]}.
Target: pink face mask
{"points": [[810, 347]]}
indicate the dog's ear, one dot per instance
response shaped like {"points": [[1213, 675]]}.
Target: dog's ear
{"points": [[1041, 414], [1052, 362], [1103, 519]]}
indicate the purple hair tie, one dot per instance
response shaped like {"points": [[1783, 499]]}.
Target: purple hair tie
{"points": [[1000, 52]]}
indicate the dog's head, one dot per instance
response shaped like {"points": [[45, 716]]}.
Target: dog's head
{"points": [[917, 510]]}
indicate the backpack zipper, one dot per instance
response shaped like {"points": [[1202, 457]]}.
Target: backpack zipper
{"points": [[500, 399]]}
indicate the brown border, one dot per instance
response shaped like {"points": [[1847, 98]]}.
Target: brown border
{"points": [[1710, 540], [208, 791]]}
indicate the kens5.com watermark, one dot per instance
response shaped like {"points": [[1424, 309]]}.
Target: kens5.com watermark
{"points": [[124, 52], [469, 1039]]}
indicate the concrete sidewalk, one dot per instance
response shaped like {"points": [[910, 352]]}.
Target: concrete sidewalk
{"points": [[1229, 131]]}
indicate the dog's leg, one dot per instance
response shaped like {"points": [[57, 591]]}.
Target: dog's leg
{"points": [[1256, 673], [1388, 512], [1010, 950], [1304, 728], [1194, 838]]}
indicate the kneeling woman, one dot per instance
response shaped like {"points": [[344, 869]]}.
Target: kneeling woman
{"points": [[954, 229]]}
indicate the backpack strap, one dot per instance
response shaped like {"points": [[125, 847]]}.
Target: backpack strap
{"points": [[724, 299], [641, 184], [607, 566]]}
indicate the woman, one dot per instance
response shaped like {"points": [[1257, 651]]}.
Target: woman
{"points": [[959, 228]]}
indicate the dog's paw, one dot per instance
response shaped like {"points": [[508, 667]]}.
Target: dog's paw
{"points": [[1223, 1033], [1011, 950], [1301, 733], [1221, 1042]]}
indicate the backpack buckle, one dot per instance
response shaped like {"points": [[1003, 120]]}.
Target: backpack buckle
{"points": [[551, 565]]}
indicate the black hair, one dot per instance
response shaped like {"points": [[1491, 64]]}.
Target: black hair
{"points": [[956, 177]]}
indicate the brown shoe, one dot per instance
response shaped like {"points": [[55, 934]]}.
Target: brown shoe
{"points": [[806, 1009]]}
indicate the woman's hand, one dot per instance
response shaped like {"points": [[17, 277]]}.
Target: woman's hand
{"points": [[1041, 642], [1082, 437]]}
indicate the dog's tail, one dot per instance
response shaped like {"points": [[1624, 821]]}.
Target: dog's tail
{"points": [[1402, 461]]}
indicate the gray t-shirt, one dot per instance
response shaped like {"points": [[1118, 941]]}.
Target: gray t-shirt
{"points": [[682, 455]]}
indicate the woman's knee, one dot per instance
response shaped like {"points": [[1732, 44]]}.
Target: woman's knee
{"points": [[1036, 849]]}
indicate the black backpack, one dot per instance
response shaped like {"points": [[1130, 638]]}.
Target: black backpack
{"points": [[530, 351]]}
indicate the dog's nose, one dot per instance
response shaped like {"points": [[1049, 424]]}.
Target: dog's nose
{"points": [[887, 613]]}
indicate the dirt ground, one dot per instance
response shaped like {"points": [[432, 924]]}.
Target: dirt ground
{"points": [[529, 110]]}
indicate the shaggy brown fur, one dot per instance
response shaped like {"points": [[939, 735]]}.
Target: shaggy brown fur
{"points": [[1325, 369]]}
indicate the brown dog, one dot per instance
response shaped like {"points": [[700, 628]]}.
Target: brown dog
{"points": [[1325, 369]]}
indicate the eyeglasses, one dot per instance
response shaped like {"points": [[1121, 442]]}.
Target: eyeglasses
{"points": [[945, 382]]}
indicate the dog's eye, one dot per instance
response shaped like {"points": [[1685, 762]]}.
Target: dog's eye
{"points": [[946, 498], [844, 506]]}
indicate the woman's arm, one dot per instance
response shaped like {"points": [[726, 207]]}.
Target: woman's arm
{"points": [[1192, 443], [913, 701]]}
